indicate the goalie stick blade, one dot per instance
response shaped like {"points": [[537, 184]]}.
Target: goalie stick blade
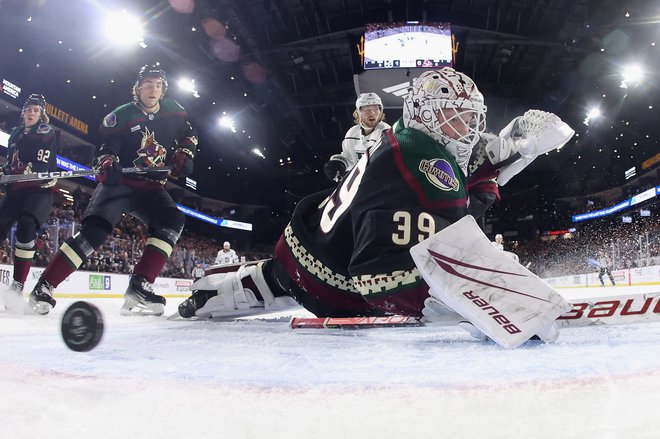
{"points": [[354, 322]]}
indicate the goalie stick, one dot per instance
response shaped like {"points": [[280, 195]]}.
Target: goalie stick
{"points": [[36, 176], [613, 310], [354, 322]]}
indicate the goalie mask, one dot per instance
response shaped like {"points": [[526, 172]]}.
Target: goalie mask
{"points": [[364, 100], [446, 105]]}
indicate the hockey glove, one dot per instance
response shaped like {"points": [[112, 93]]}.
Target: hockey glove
{"points": [[109, 169], [525, 138], [181, 163], [334, 170]]}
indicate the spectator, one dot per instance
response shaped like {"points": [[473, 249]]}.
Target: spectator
{"points": [[227, 255]]}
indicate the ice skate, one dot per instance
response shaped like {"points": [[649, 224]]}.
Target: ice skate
{"points": [[13, 298], [140, 299], [41, 298]]}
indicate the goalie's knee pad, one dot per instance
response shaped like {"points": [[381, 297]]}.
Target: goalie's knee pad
{"points": [[244, 293]]}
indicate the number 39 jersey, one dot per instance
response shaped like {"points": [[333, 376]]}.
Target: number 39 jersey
{"points": [[349, 250]]}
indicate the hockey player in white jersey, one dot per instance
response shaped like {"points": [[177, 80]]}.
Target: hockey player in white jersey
{"points": [[227, 255], [365, 133]]}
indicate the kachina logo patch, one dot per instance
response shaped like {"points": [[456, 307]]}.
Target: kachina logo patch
{"points": [[440, 174]]}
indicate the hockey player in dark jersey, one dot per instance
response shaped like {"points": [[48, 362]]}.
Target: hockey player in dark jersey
{"points": [[32, 147], [151, 131], [346, 252]]}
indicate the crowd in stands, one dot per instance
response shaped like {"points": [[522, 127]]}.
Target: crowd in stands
{"points": [[628, 245]]}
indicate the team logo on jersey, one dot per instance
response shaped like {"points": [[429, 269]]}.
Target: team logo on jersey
{"points": [[440, 174], [110, 120], [151, 153], [43, 128]]}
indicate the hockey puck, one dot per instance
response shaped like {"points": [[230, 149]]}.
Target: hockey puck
{"points": [[82, 326]]}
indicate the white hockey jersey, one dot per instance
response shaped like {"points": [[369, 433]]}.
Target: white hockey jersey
{"points": [[356, 143], [225, 258]]}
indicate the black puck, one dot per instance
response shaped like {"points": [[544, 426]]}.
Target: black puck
{"points": [[82, 326]]}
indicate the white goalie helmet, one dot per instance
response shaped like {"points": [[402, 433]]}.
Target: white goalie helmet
{"points": [[447, 89]]}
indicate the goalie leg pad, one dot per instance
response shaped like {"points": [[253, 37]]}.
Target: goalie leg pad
{"points": [[244, 293], [497, 295]]}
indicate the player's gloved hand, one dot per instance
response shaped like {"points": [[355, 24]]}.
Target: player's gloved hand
{"points": [[17, 167], [109, 169], [334, 170], [182, 163]]}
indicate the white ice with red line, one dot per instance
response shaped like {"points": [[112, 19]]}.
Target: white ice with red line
{"points": [[155, 378]]}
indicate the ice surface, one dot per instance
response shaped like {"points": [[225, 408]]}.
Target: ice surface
{"points": [[153, 377]]}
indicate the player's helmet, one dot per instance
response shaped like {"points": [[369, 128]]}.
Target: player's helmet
{"points": [[151, 71], [446, 89], [368, 99], [38, 100]]}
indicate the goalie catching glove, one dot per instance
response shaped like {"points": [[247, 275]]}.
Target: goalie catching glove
{"points": [[182, 163], [109, 169], [530, 135]]}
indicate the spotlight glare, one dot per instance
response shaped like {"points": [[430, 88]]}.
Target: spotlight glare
{"points": [[633, 74], [123, 28], [594, 113], [227, 123]]}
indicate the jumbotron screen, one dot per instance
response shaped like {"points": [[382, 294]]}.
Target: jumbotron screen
{"points": [[407, 45]]}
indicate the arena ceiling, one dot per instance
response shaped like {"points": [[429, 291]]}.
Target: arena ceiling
{"points": [[284, 70]]}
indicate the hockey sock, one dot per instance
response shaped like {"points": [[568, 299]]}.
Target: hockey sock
{"points": [[153, 259], [23, 254], [71, 255]]}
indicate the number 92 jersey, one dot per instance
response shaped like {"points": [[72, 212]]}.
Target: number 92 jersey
{"points": [[32, 151], [347, 252]]}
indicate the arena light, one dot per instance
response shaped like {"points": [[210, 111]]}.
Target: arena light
{"points": [[593, 113], [227, 123], [124, 28], [189, 86], [258, 153], [633, 74]]}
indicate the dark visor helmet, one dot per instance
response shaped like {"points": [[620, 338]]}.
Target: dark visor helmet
{"points": [[35, 99]]}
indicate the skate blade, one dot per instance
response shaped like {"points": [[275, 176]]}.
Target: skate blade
{"points": [[131, 308], [40, 308]]}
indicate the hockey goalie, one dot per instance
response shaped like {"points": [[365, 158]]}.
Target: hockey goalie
{"points": [[398, 235]]}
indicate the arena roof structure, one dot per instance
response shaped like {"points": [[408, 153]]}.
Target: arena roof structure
{"points": [[285, 72]]}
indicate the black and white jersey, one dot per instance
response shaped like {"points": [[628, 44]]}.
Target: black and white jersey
{"points": [[346, 252]]}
